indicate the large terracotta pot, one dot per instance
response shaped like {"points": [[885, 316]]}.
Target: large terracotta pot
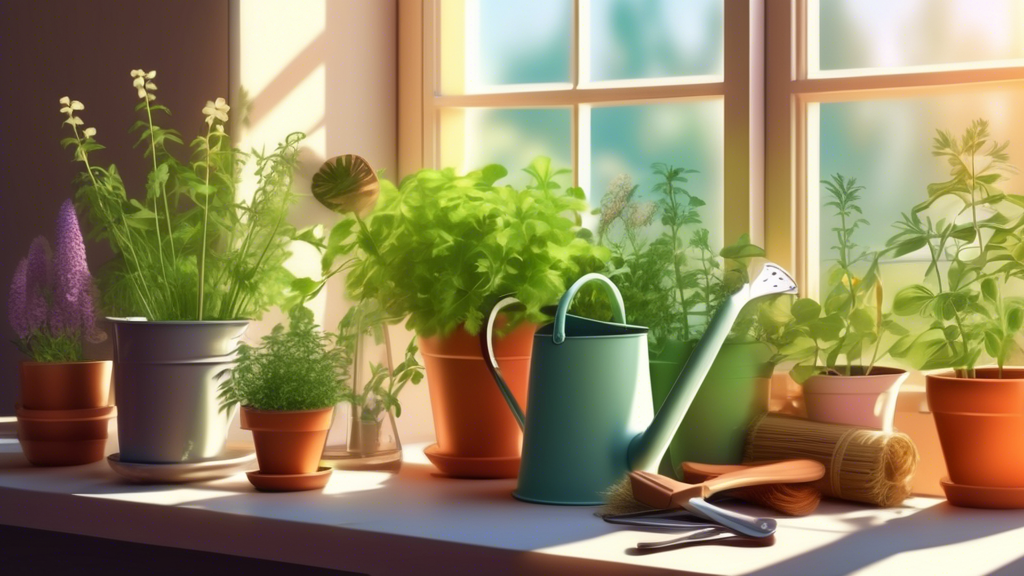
{"points": [[735, 392], [981, 426], [855, 400], [65, 385], [471, 419], [288, 442]]}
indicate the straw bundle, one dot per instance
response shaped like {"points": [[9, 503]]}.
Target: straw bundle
{"points": [[861, 464]]}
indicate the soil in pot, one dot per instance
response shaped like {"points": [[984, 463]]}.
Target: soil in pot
{"points": [[65, 385], [471, 419], [981, 426], [735, 392], [855, 400], [288, 442]]}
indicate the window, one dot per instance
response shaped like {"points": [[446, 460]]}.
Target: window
{"points": [[860, 89], [603, 87], [763, 98]]}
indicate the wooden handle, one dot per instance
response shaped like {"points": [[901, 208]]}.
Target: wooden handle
{"points": [[784, 472]]}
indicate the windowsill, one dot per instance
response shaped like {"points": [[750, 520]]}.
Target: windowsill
{"points": [[376, 523]]}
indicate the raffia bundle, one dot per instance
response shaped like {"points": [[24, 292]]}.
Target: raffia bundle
{"points": [[862, 465]]}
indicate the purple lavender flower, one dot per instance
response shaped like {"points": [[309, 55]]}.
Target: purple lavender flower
{"points": [[38, 280], [72, 307], [17, 312]]}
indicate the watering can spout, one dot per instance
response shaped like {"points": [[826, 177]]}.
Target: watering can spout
{"points": [[647, 448]]}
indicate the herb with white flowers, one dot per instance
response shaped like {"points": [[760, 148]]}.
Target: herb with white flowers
{"points": [[189, 248]]}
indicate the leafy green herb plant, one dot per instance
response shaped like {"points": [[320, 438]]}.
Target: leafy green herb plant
{"points": [[444, 246], [971, 294], [297, 368], [191, 247]]}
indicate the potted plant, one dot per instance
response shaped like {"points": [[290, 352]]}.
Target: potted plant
{"points": [[673, 284], [287, 387], [194, 263], [372, 441], [62, 409], [972, 305], [441, 248], [836, 345]]}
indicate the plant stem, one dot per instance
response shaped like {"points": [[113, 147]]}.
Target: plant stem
{"points": [[92, 177], [163, 191], [206, 215], [974, 210], [674, 226]]}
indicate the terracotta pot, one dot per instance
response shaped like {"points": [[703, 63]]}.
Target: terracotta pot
{"points": [[981, 426], [855, 400], [288, 442], [65, 385], [471, 419], [71, 441]]}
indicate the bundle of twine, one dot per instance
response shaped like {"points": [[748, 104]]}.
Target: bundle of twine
{"points": [[862, 465]]}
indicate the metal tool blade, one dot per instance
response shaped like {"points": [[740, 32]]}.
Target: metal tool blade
{"points": [[741, 523]]}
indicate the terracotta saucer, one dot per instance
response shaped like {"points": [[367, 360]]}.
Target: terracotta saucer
{"points": [[468, 467], [290, 482], [229, 462], [982, 496], [83, 414]]}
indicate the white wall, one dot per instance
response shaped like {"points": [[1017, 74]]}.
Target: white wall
{"points": [[327, 68]]}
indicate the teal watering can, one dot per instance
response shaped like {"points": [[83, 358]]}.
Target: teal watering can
{"points": [[591, 418]]}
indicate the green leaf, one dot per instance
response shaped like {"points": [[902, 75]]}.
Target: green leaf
{"points": [[911, 300], [989, 290], [862, 320], [805, 310]]}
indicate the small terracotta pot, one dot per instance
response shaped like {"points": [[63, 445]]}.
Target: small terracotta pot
{"points": [[471, 419], [855, 400], [288, 442], [65, 385], [70, 441], [981, 426]]}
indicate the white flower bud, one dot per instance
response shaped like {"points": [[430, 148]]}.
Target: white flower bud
{"points": [[65, 101], [76, 105], [150, 86], [151, 74], [142, 92], [89, 132]]}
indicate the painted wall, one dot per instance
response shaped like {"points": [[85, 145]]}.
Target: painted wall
{"points": [[86, 50]]}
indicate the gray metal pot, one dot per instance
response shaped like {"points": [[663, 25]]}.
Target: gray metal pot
{"points": [[167, 377]]}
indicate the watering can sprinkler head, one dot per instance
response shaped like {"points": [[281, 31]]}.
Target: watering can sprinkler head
{"points": [[771, 279]]}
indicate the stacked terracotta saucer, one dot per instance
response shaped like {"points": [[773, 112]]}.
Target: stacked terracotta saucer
{"points": [[64, 412]]}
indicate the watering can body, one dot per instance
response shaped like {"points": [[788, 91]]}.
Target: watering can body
{"points": [[590, 419], [589, 397]]}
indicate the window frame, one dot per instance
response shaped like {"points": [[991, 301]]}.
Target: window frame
{"points": [[740, 87], [792, 94], [770, 101]]}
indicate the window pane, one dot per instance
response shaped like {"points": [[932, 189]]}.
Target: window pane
{"points": [[490, 45], [513, 138], [887, 146], [888, 34], [654, 38], [627, 140]]}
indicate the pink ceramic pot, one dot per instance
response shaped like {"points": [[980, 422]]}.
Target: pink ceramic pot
{"points": [[855, 400]]}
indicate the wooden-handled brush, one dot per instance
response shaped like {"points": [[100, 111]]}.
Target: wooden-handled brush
{"points": [[793, 499], [645, 490]]}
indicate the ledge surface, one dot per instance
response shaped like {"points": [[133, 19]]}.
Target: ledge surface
{"points": [[392, 524]]}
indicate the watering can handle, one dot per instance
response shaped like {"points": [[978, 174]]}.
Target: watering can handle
{"points": [[618, 307], [487, 346]]}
